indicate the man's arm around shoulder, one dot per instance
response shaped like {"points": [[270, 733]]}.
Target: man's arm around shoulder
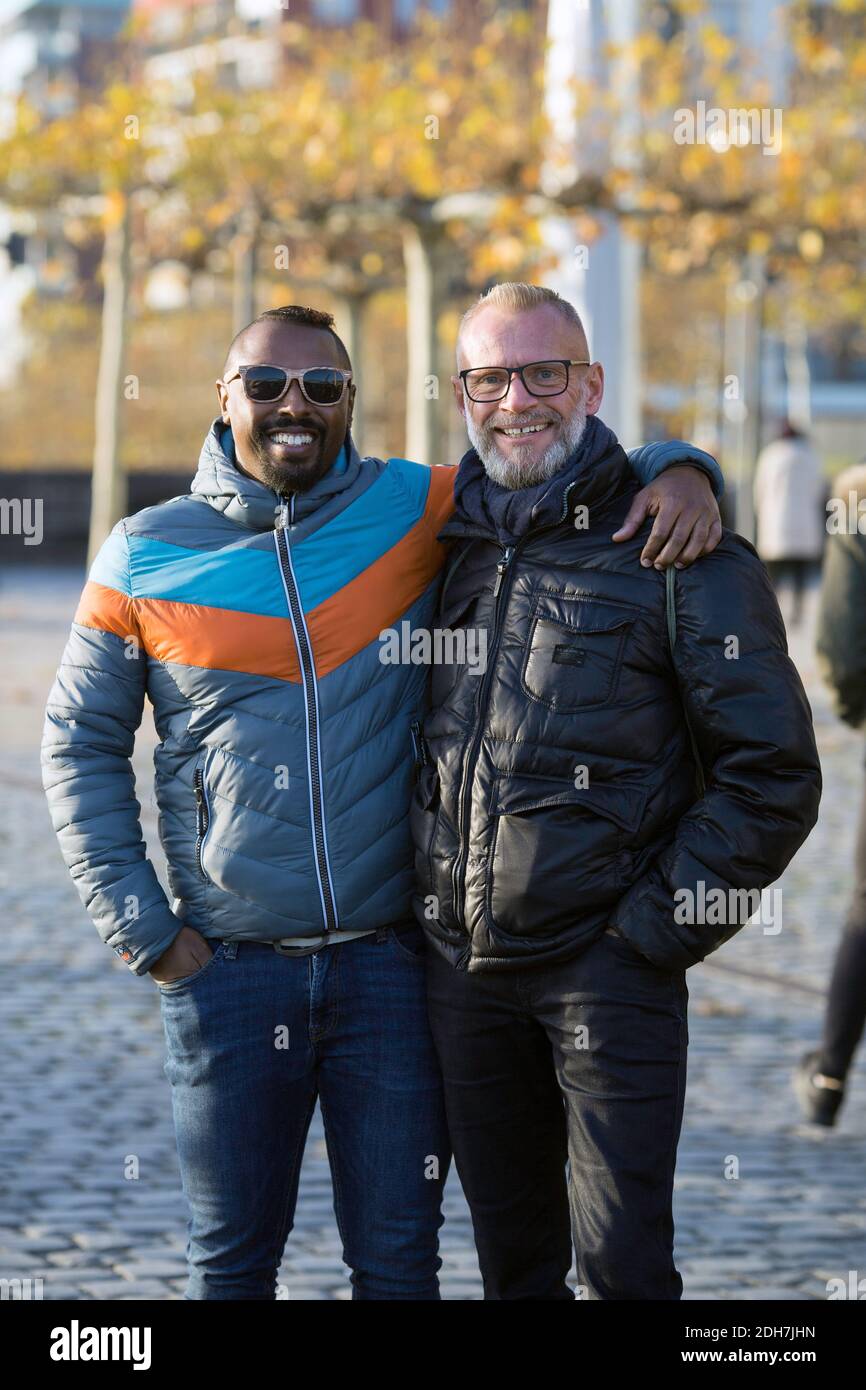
{"points": [[680, 486]]}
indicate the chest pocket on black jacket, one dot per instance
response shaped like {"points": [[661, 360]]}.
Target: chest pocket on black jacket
{"points": [[570, 665]]}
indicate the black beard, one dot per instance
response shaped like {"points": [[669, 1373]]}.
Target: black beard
{"points": [[288, 478]]}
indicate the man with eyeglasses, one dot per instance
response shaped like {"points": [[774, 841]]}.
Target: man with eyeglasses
{"points": [[570, 871], [288, 963]]}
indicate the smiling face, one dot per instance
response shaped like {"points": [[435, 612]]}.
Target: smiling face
{"points": [[523, 439], [287, 444]]}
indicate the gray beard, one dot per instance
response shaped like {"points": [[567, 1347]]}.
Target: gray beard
{"points": [[513, 472]]}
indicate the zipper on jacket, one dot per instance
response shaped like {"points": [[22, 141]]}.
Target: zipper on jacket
{"points": [[502, 568], [311, 710], [419, 746], [202, 817], [503, 572], [458, 873]]}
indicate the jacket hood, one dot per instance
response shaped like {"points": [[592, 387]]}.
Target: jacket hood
{"points": [[245, 500]]}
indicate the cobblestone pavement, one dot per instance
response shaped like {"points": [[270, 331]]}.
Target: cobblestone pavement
{"points": [[84, 1086]]}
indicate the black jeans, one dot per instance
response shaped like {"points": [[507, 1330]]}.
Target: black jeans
{"points": [[581, 1062], [845, 1013]]}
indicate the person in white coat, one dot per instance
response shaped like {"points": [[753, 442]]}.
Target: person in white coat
{"points": [[790, 494]]}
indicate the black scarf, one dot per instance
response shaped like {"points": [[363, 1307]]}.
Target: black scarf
{"points": [[507, 514]]}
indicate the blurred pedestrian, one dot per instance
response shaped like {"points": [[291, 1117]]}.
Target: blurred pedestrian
{"points": [[841, 651], [789, 494]]}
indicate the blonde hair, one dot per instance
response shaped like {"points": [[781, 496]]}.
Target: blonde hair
{"points": [[517, 298]]}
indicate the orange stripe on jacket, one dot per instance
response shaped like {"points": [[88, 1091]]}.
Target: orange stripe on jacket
{"points": [[107, 609], [193, 634], [345, 623], [440, 498]]}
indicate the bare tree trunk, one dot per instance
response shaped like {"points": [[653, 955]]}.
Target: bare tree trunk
{"points": [[108, 501], [743, 361], [423, 431], [244, 253], [799, 380], [350, 323], [705, 428]]}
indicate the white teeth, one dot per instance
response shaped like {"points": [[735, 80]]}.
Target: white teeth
{"points": [[293, 440], [529, 429]]}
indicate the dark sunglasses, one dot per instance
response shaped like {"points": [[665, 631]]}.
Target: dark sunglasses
{"points": [[264, 383]]}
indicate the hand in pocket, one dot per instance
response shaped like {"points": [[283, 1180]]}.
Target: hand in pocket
{"points": [[187, 953]]}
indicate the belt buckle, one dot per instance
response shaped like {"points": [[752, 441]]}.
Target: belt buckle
{"points": [[283, 948]]}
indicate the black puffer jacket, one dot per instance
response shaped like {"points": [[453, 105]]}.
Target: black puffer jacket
{"points": [[556, 795]]}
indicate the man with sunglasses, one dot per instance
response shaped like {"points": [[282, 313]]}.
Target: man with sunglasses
{"points": [[570, 872], [289, 966]]}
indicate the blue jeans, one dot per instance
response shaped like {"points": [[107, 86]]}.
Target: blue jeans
{"points": [[253, 1038]]}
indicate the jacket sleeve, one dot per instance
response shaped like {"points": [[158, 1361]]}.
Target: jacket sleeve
{"points": [[650, 460], [752, 726], [94, 709]]}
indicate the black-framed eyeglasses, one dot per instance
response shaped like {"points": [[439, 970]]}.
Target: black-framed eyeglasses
{"points": [[549, 378], [265, 383]]}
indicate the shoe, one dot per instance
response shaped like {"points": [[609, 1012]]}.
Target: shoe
{"points": [[820, 1096]]}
